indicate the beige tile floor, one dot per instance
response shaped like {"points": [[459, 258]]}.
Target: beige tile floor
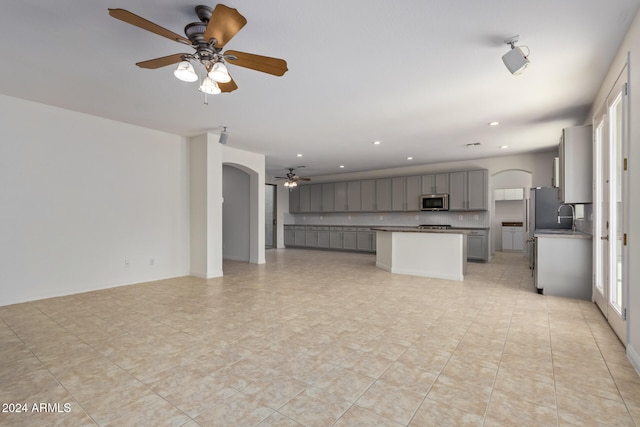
{"points": [[317, 339]]}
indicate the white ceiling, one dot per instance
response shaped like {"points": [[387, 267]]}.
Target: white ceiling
{"points": [[423, 77]]}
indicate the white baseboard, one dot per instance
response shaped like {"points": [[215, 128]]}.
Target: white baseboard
{"points": [[634, 358]]}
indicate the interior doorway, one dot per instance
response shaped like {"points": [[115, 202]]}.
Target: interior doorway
{"points": [[270, 209]]}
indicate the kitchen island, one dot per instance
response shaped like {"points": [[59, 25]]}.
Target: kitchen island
{"points": [[440, 254]]}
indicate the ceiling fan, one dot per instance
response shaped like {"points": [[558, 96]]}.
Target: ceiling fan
{"points": [[292, 179], [208, 37]]}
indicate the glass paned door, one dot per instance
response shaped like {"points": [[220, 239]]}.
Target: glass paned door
{"points": [[610, 144]]}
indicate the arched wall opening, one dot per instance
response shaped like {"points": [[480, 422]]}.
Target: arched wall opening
{"points": [[510, 210]]}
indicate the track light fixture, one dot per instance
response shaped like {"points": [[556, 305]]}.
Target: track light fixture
{"points": [[515, 60]]}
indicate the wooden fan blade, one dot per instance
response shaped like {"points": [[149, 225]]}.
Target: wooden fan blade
{"points": [[228, 87], [265, 64], [161, 62], [133, 19], [225, 23]]}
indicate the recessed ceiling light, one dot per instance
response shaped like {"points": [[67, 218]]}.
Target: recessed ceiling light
{"points": [[341, 166], [409, 158], [504, 146], [298, 155], [494, 123], [376, 142]]}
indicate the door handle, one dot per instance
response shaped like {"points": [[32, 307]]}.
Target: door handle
{"points": [[604, 238]]}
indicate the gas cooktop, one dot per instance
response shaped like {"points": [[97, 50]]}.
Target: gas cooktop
{"points": [[434, 227]]}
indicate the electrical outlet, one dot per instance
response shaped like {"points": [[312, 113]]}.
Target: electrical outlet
{"points": [[476, 217], [381, 217], [126, 263], [349, 217], [417, 217], [459, 217], [152, 261]]}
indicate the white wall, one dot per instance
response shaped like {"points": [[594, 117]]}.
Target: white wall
{"points": [[630, 46], [80, 195], [235, 214]]}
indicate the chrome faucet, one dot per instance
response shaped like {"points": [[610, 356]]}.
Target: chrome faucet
{"points": [[573, 216]]}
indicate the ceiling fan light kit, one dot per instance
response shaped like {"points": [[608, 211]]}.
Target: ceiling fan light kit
{"points": [[218, 25], [515, 60]]}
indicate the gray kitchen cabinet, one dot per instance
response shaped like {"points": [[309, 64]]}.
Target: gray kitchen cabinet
{"points": [[305, 198], [576, 172], [477, 245], [364, 239], [300, 236], [340, 196], [354, 190], [383, 194], [437, 183], [398, 193], [294, 201], [335, 237], [350, 238], [457, 191], [513, 239], [563, 266], [412, 193], [468, 190], [324, 237], [311, 236], [368, 195], [289, 235], [328, 197], [315, 198]]}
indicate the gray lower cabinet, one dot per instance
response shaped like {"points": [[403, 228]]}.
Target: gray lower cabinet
{"points": [[324, 237], [359, 239], [478, 245], [365, 239], [311, 236], [350, 238], [289, 235], [335, 237]]}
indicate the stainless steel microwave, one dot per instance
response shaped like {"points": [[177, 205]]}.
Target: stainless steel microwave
{"points": [[434, 202]]}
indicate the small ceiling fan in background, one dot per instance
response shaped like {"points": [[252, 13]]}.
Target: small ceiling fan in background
{"points": [[292, 179], [208, 37]]}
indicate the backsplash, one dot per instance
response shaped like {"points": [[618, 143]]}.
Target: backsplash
{"points": [[478, 219]]}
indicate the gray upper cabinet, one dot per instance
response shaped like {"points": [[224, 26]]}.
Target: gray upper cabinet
{"points": [[435, 183], [383, 194], [368, 195], [315, 198], [457, 191], [413, 190], [398, 193], [294, 201], [305, 198], [340, 196], [354, 190], [478, 182], [576, 173], [328, 197], [468, 190]]}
